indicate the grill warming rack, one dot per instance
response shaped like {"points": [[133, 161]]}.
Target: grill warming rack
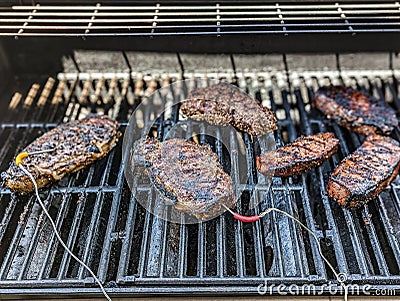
{"points": [[327, 26], [135, 253], [204, 19]]}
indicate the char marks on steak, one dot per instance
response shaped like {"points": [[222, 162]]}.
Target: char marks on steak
{"points": [[295, 158], [355, 110], [76, 145], [363, 174], [224, 104], [189, 175]]}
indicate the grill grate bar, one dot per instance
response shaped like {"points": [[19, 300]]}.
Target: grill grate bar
{"points": [[390, 233], [95, 220], [73, 234], [239, 250], [7, 216], [364, 260], [221, 263], [201, 260], [221, 266], [383, 268], [7, 23], [32, 246], [111, 224], [129, 13], [202, 236], [260, 265], [50, 254], [142, 262], [205, 32], [13, 245], [157, 236], [163, 249], [356, 6], [182, 247], [126, 243]]}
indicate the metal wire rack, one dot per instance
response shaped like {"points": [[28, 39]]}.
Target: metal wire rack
{"points": [[200, 19]]}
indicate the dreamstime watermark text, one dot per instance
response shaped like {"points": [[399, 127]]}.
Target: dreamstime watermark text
{"points": [[332, 288]]}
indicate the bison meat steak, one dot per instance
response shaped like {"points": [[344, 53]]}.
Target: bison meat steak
{"points": [[189, 175], [363, 174], [76, 145], [355, 110], [295, 158], [224, 104]]}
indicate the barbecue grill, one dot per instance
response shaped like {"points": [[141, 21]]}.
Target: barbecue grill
{"points": [[61, 62]]}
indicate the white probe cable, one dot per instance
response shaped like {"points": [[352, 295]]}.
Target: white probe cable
{"points": [[338, 277], [18, 161], [269, 210]]}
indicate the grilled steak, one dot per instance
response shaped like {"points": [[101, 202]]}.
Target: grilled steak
{"points": [[358, 111], [362, 175], [224, 104], [295, 158], [77, 144], [189, 175]]}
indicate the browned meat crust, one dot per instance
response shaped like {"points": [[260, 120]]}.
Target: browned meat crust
{"points": [[362, 175], [189, 175], [302, 154], [358, 111], [224, 104], [77, 144]]}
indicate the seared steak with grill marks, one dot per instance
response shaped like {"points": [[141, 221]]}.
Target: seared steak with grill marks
{"points": [[358, 111], [224, 104], [189, 175], [295, 158], [77, 144], [362, 175]]}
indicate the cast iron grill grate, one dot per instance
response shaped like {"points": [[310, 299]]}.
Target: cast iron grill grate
{"points": [[134, 252]]}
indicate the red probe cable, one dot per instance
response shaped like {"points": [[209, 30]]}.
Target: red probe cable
{"points": [[247, 219]]}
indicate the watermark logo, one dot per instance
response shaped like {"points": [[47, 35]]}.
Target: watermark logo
{"points": [[332, 288]]}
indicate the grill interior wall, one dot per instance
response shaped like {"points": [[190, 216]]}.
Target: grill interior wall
{"points": [[100, 220]]}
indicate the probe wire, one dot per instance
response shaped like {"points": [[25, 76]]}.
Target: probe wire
{"points": [[32, 178], [269, 210]]}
